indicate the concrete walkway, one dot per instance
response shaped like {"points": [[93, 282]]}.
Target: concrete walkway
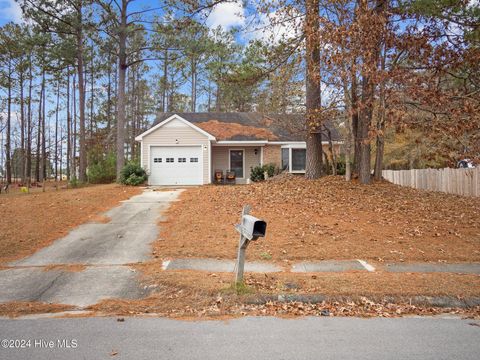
{"points": [[106, 249], [222, 265]]}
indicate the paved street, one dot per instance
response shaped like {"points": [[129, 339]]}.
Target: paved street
{"points": [[246, 338]]}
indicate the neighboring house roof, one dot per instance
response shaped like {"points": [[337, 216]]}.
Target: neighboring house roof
{"points": [[249, 126]]}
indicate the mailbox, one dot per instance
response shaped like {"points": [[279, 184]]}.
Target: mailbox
{"points": [[253, 228]]}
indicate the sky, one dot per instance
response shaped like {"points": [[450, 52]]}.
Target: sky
{"points": [[10, 11], [226, 15]]}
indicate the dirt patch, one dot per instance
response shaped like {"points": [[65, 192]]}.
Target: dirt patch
{"points": [[32, 221], [15, 309], [68, 268], [325, 219]]}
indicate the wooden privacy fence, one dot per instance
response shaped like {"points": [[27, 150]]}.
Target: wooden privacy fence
{"points": [[453, 181]]}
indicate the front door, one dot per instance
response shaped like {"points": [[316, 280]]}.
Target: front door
{"points": [[237, 163]]}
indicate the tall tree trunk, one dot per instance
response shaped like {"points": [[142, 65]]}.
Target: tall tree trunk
{"points": [[364, 122], [109, 97], [69, 139], [349, 141], [122, 69], [74, 129], [313, 124], [369, 67], [22, 127], [44, 137], [331, 149], [380, 140], [134, 113], [209, 100], [28, 165], [193, 105], [82, 170], [39, 130], [56, 130], [8, 165], [61, 154], [92, 122], [217, 99], [354, 117], [164, 81]]}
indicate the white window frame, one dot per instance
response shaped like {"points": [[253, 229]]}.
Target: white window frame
{"points": [[290, 148], [243, 159]]}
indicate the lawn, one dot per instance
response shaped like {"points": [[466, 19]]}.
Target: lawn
{"points": [[325, 219], [32, 221], [312, 220]]}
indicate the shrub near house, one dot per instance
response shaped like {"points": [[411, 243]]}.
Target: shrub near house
{"points": [[133, 174]]}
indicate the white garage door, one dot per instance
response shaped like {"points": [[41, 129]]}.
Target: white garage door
{"points": [[176, 165]]}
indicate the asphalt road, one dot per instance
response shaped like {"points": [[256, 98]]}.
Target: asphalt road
{"points": [[245, 338]]}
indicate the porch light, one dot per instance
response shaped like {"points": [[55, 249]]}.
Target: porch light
{"points": [[255, 151]]}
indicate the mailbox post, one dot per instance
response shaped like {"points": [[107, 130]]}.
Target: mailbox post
{"points": [[250, 229]]}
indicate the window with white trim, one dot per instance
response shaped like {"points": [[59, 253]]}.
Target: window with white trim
{"points": [[294, 159], [157, 160], [169, 160], [182, 160], [299, 157], [285, 159], [194, 160]]}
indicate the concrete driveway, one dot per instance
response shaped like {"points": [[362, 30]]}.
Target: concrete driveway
{"points": [[107, 250]]}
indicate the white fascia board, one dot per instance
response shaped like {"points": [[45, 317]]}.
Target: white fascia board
{"points": [[286, 142], [240, 143], [293, 143], [173, 117]]}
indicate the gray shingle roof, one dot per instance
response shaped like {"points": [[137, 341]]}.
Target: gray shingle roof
{"points": [[286, 127]]}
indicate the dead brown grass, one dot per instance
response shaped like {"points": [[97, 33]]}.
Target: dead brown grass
{"points": [[65, 267], [31, 221], [190, 294], [325, 219], [20, 308], [353, 283]]}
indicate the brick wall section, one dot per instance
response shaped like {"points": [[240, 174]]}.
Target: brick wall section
{"points": [[272, 154]]}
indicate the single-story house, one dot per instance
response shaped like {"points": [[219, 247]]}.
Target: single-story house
{"points": [[187, 148]]}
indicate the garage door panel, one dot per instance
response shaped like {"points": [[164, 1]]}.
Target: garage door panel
{"points": [[176, 165]]}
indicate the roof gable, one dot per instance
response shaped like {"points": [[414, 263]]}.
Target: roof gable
{"points": [[168, 121]]}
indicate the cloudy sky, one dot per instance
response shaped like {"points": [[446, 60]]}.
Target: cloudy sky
{"points": [[226, 15], [10, 11]]}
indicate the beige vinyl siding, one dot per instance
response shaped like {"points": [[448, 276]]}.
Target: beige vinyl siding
{"points": [[169, 134], [221, 155]]}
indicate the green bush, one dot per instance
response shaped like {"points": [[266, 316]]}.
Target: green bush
{"points": [[74, 183], [102, 168], [257, 173], [133, 174], [270, 169]]}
